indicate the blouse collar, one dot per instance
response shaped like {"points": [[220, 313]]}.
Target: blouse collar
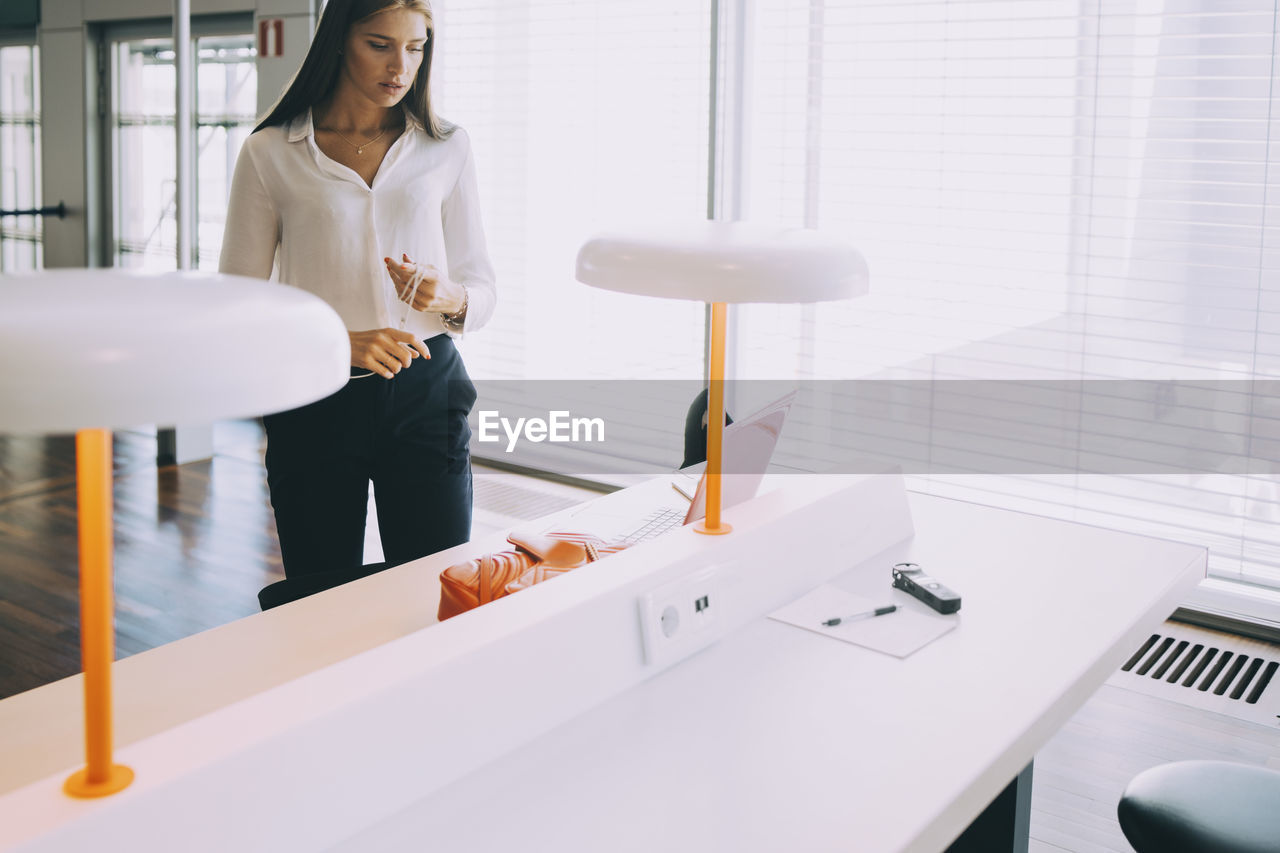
{"points": [[300, 126]]}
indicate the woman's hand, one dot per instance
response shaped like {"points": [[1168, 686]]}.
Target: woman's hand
{"points": [[436, 294], [385, 351]]}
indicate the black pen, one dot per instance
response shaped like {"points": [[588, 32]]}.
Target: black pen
{"points": [[879, 611]]}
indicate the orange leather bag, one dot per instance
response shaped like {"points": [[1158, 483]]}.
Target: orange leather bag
{"points": [[535, 558]]}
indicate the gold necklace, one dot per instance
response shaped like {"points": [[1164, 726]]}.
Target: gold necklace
{"points": [[359, 148]]}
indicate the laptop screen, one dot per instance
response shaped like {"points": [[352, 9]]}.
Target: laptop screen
{"points": [[747, 450], [745, 454]]}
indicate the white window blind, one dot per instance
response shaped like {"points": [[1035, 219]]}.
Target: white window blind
{"points": [[583, 116], [1044, 189]]}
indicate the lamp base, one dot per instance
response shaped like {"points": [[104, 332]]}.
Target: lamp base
{"points": [[701, 527], [78, 784]]}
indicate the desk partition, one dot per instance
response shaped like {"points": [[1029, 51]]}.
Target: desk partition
{"points": [[307, 730]]}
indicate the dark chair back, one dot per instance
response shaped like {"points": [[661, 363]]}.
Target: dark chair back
{"points": [[695, 429]]}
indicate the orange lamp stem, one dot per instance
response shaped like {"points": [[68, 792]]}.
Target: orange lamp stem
{"points": [[97, 632], [715, 423]]}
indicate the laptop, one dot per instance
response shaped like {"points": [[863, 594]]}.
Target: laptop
{"points": [[747, 449]]}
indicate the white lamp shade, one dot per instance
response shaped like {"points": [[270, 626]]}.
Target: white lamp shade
{"points": [[108, 348], [724, 262]]}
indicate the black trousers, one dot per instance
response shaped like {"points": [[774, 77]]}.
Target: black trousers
{"points": [[409, 435]]}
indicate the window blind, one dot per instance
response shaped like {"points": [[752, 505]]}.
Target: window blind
{"points": [[583, 116], [1044, 190]]}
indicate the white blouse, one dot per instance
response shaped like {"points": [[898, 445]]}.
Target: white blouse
{"points": [[315, 224]]}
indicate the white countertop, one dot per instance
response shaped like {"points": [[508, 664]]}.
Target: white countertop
{"points": [[777, 738], [534, 723]]}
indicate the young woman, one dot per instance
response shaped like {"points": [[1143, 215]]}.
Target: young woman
{"points": [[352, 188]]}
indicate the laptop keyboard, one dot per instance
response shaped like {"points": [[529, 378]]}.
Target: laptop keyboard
{"points": [[655, 524]]}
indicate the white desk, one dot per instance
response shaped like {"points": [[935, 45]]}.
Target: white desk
{"points": [[530, 724], [780, 739]]}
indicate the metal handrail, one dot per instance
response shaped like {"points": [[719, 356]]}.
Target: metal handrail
{"points": [[59, 210]]}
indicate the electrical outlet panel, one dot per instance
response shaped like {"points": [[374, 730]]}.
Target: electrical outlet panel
{"points": [[680, 617]]}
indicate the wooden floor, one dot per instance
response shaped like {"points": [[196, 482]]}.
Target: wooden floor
{"points": [[195, 542]]}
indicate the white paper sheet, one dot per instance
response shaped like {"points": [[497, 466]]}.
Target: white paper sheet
{"points": [[909, 628]]}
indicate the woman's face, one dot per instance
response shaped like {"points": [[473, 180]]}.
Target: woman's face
{"points": [[382, 55]]}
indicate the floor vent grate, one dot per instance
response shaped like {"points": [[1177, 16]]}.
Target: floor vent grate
{"points": [[1207, 669]]}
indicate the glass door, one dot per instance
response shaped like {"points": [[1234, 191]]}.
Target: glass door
{"points": [[21, 237], [142, 138], [226, 107]]}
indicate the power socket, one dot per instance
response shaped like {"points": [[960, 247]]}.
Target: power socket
{"points": [[677, 618]]}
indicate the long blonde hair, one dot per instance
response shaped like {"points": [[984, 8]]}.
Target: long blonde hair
{"points": [[318, 75]]}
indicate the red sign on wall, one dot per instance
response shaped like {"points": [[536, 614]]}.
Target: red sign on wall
{"points": [[271, 37]]}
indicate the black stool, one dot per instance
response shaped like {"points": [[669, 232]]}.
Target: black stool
{"points": [[291, 589], [1202, 807]]}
